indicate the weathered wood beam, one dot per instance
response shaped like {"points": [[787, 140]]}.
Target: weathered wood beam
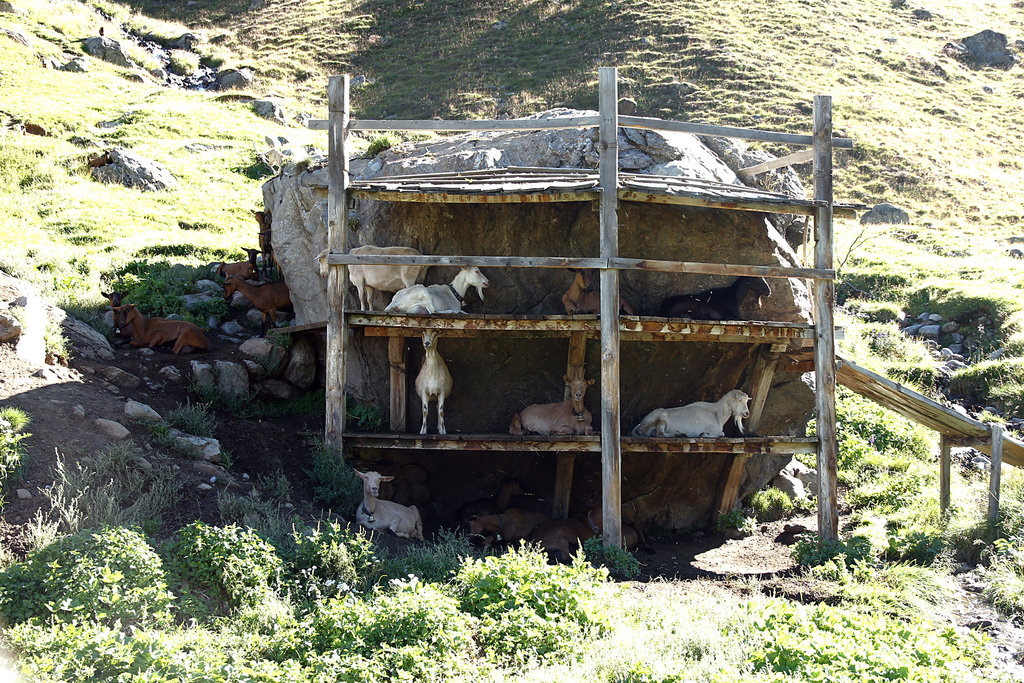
{"points": [[476, 198], [729, 485], [945, 451], [800, 157], [464, 125], [398, 363], [996, 474], [567, 461], [337, 278], [729, 131]]}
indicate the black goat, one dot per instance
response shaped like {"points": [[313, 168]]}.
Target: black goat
{"points": [[722, 303]]}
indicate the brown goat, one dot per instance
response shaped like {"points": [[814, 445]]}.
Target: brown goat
{"points": [[265, 219], [181, 335], [560, 538], [268, 299], [245, 270], [507, 527], [565, 417], [583, 297], [116, 299]]}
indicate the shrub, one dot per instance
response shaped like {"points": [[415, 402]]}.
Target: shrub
{"points": [[736, 520], [265, 517], [435, 562], [770, 505], [335, 484], [811, 550], [618, 561], [379, 143], [527, 609], [233, 566], [12, 453], [108, 575], [330, 561], [412, 632]]}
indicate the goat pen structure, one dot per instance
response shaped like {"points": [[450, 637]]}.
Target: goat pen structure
{"points": [[809, 346]]}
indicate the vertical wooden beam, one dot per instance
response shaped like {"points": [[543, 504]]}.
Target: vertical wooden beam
{"points": [[567, 461], [823, 296], [398, 360], [611, 447], [945, 449], [994, 476], [337, 277]]}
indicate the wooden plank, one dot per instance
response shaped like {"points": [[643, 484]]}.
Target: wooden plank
{"points": [[465, 125], [468, 198], [563, 485], [727, 131], [611, 449], [996, 474], [823, 297], [577, 353], [694, 267], [800, 157], [299, 329], [760, 383], [398, 355], [759, 206], [337, 278], [729, 485], [945, 450]]}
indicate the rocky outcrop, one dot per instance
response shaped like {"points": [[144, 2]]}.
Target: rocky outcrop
{"points": [[985, 48], [108, 50], [884, 214], [123, 166], [495, 376]]}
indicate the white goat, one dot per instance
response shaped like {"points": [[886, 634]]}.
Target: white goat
{"points": [[376, 514], [390, 278], [439, 298], [434, 380], [696, 419]]}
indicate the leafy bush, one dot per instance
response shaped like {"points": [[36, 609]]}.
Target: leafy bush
{"points": [[379, 143], [12, 453], [330, 561], [108, 575], [810, 550], [618, 561], [335, 484], [234, 566], [156, 287], [434, 562], [527, 609], [770, 505], [736, 520], [266, 517], [412, 632]]}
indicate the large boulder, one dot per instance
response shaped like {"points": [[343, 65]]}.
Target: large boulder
{"points": [[124, 166], [108, 50], [497, 375]]}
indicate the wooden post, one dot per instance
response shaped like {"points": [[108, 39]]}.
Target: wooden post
{"points": [[997, 467], [823, 296], [398, 357], [567, 461], [337, 276], [944, 461], [611, 447]]}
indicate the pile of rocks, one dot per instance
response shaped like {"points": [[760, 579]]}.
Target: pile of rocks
{"points": [[270, 370]]}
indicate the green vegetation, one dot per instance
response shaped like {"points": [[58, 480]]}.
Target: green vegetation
{"points": [[12, 452], [770, 505]]}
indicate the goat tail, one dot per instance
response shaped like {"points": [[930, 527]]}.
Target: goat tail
{"points": [[516, 428]]}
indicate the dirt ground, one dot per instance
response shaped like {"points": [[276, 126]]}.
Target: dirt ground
{"points": [[64, 403]]}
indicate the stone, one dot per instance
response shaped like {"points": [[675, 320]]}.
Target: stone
{"points": [[277, 389], [790, 485], [929, 331], [911, 330], [10, 327], [254, 318], [7, 7], [17, 36], [133, 170], [122, 379], [192, 301], [627, 106], [115, 430], [238, 299], [885, 214], [232, 378], [108, 50], [234, 79], [921, 14], [264, 351], [950, 327], [935, 318], [204, 487], [302, 364], [232, 328], [202, 375], [209, 286], [997, 354], [23, 494], [86, 342], [78, 411], [140, 411], [255, 370], [988, 48], [205, 447], [212, 322], [186, 41], [270, 108]]}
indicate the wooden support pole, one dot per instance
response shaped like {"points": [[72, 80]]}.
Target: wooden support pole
{"points": [[337, 278], [823, 296], [611, 447], [994, 476], [945, 450], [563, 485], [729, 485], [398, 360]]}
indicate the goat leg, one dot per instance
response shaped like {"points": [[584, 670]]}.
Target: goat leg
{"points": [[426, 406], [440, 414]]}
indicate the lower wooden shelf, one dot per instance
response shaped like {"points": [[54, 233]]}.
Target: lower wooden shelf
{"points": [[757, 445]]}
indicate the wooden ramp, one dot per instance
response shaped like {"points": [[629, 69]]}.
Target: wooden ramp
{"points": [[960, 429]]}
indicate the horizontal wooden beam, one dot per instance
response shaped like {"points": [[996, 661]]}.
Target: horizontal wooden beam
{"points": [[727, 131], [800, 157], [334, 259], [581, 444], [476, 198]]}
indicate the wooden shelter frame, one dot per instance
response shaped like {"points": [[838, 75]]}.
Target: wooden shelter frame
{"points": [[776, 339]]}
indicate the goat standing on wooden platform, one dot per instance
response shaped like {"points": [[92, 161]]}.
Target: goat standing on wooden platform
{"points": [[376, 514], [722, 303], [181, 335], [583, 297], [434, 380], [439, 298], [700, 419], [390, 278], [268, 298], [562, 418]]}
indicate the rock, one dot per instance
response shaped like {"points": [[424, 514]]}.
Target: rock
{"points": [[935, 318], [212, 322], [119, 378], [997, 354], [232, 378], [191, 301], [159, 74], [209, 287], [627, 106], [23, 494], [277, 389], [238, 299], [885, 214], [205, 447], [264, 352], [10, 327], [981, 463], [804, 474], [78, 65], [255, 370], [78, 411], [7, 7], [929, 331], [234, 79], [921, 14], [254, 318], [950, 327], [30, 311], [270, 108], [988, 48], [108, 50], [85, 341], [302, 364], [204, 487], [132, 170], [17, 36], [141, 411], [232, 328], [114, 430], [202, 375], [911, 330], [186, 41], [790, 485]]}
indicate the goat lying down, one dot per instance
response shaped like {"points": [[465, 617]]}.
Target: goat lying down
{"points": [[722, 303], [439, 298], [376, 514], [390, 278], [700, 419]]}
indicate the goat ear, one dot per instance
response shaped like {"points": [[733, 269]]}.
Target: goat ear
{"points": [[567, 379], [361, 475], [590, 382], [387, 478], [106, 295]]}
